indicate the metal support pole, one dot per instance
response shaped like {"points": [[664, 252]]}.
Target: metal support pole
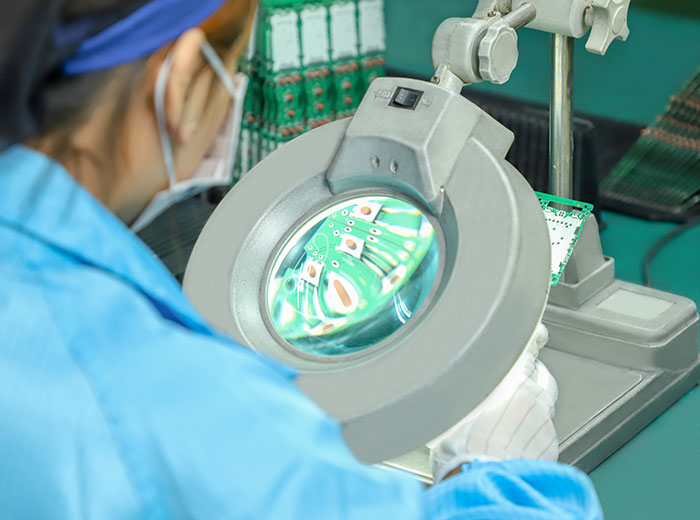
{"points": [[561, 129]]}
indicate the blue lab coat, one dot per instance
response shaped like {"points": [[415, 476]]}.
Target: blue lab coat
{"points": [[117, 400]]}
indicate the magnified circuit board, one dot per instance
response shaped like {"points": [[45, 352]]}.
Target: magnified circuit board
{"points": [[352, 275], [565, 219]]}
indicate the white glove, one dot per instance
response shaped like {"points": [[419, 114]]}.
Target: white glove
{"points": [[513, 422]]}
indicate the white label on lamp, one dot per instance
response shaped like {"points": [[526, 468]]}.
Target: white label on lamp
{"points": [[285, 41], [244, 156], [315, 44], [344, 30], [372, 32]]}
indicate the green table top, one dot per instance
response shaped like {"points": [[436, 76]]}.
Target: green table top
{"points": [[657, 474]]}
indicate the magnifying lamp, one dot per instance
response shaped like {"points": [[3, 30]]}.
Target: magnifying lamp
{"points": [[395, 259]]}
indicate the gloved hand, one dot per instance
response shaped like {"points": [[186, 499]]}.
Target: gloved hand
{"points": [[513, 422]]}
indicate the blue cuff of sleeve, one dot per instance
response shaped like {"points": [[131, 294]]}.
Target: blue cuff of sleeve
{"points": [[515, 489]]}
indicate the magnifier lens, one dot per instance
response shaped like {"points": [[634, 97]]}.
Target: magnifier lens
{"points": [[352, 275]]}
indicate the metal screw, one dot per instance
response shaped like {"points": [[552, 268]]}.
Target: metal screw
{"points": [[375, 161]]}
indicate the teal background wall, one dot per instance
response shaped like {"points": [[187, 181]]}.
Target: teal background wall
{"points": [[632, 82]]}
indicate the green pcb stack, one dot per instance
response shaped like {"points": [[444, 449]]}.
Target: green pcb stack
{"points": [[659, 177], [309, 62]]}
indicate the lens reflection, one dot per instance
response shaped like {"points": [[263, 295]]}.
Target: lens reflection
{"points": [[352, 275]]}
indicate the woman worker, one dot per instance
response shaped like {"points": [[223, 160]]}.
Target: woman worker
{"points": [[117, 400]]}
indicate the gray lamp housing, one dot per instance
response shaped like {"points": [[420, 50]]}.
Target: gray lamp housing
{"points": [[444, 155]]}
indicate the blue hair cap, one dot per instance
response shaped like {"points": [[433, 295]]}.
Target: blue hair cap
{"points": [[139, 35]]}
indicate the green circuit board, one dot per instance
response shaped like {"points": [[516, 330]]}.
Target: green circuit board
{"points": [[565, 219], [353, 275]]}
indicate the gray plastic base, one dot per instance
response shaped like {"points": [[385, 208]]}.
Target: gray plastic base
{"points": [[621, 354], [600, 408], [621, 358]]}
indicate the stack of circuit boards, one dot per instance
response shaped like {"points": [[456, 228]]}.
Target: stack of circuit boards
{"points": [[659, 177], [309, 62]]}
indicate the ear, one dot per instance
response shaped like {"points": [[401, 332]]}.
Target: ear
{"points": [[186, 62]]}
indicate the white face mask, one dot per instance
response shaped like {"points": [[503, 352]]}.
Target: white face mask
{"points": [[216, 169]]}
